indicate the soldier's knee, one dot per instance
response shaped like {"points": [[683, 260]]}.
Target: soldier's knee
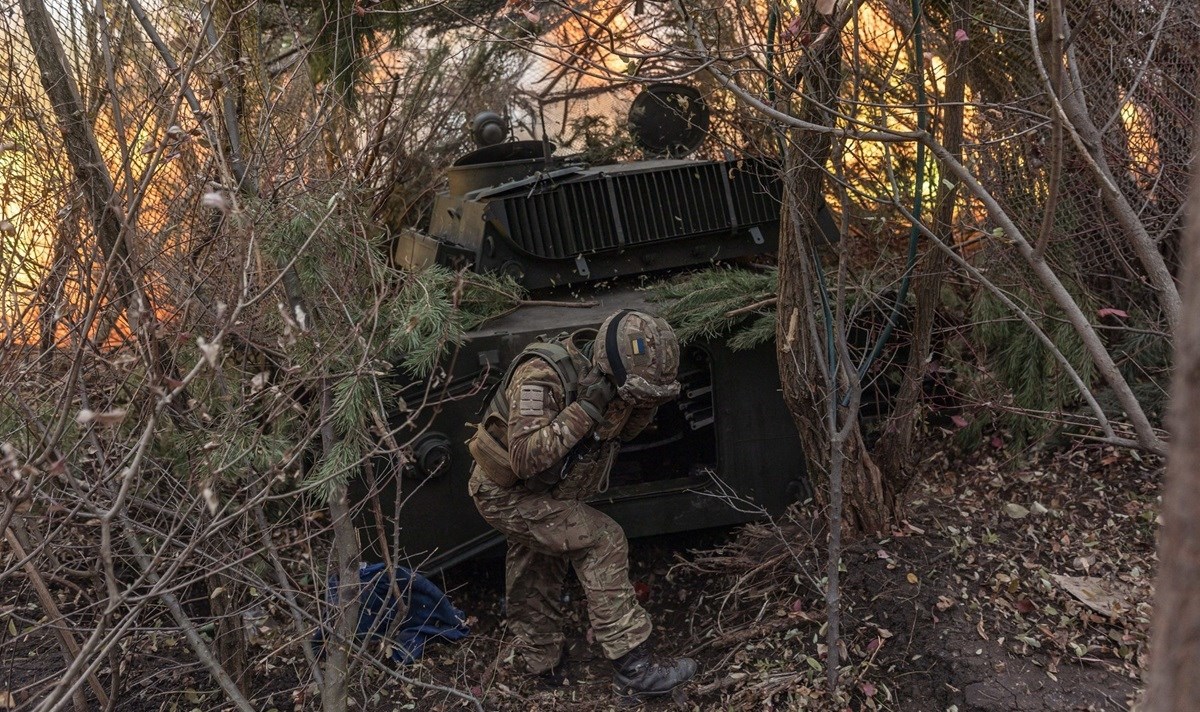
{"points": [[612, 542]]}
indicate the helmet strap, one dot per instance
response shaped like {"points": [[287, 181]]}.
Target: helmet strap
{"points": [[611, 349]]}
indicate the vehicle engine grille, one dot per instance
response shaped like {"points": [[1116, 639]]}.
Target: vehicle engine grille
{"points": [[613, 209]]}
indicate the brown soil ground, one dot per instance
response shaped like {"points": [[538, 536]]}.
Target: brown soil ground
{"points": [[961, 608]]}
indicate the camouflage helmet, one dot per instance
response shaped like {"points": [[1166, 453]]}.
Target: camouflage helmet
{"points": [[639, 345]]}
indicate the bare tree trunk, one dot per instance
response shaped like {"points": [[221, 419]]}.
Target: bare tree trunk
{"points": [[66, 638], [805, 346], [51, 290], [345, 553], [227, 597], [894, 451], [1174, 684], [82, 149]]}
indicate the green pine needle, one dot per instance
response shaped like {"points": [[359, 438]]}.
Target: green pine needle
{"points": [[335, 470], [697, 305]]}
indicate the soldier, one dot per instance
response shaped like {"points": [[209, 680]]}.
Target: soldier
{"points": [[547, 443]]}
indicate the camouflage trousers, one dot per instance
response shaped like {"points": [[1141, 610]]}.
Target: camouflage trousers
{"points": [[546, 536]]}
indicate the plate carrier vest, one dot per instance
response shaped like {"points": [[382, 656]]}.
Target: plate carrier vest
{"points": [[485, 445]]}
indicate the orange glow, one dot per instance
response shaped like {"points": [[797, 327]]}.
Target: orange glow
{"points": [[41, 206], [592, 50], [1143, 146]]}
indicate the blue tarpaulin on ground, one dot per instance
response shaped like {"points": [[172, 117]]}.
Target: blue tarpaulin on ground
{"points": [[429, 614]]}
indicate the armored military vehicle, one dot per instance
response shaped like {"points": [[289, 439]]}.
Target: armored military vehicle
{"points": [[567, 230]]}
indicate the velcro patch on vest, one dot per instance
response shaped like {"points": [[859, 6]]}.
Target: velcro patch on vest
{"points": [[533, 400]]}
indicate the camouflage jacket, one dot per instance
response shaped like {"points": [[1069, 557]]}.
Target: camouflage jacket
{"points": [[542, 434]]}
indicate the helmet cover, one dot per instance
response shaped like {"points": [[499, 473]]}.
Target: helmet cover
{"points": [[641, 353]]}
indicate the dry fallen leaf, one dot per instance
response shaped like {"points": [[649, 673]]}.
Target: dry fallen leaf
{"points": [[215, 200], [210, 350], [1015, 510], [1095, 593], [979, 629], [210, 498], [105, 419]]}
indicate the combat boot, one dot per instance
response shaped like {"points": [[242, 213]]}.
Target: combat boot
{"points": [[637, 674], [557, 675]]}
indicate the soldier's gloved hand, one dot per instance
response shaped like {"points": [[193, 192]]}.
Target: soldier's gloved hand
{"points": [[640, 392], [595, 393]]}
